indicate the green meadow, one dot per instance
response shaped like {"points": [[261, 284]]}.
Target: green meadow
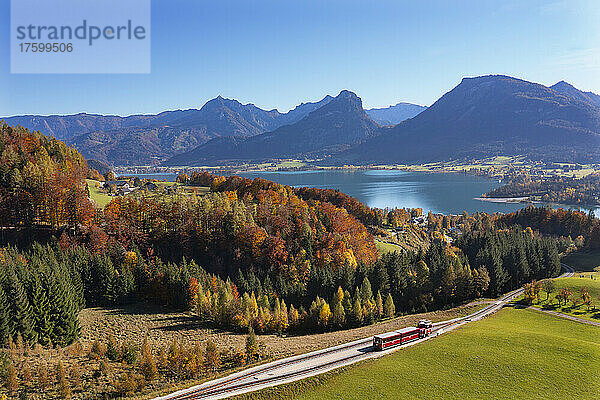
{"points": [[100, 198], [515, 354]]}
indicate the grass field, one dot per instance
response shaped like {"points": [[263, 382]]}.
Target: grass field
{"points": [[576, 283], [516, 354], [387, 247], [583, 261], [101, 199]]}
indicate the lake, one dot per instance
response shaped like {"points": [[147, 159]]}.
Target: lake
{"points": [[439, 193], [445, 193]]}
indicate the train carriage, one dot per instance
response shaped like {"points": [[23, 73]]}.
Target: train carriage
{"points": [[401, 336]]}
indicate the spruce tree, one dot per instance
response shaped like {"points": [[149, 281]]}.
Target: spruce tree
{"points": [[339, 316], [63, 313], [357, 312], [251, 344], [4, 318], [20, 309], [40, 308]]}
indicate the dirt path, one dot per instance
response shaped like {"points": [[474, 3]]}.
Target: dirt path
{"points": [[566, 316]]}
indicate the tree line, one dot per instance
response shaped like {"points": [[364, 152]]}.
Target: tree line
{"points": [[556, 189], [567, 223]]}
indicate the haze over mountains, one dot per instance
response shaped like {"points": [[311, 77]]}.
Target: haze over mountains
{"points": [[480, 117], [395, 114]]}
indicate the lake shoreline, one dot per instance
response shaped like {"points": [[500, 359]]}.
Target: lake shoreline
{"points": [[507, 200]]}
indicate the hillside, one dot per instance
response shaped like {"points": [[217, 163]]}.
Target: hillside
{"points": [[42, 181], [574, 306], [393, 115], [486, 116], [99, 166], [336, 126]]}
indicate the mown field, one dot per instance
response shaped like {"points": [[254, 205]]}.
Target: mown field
{"points": [[100, 198], [385, 247], [587, 280], [516, 354]]}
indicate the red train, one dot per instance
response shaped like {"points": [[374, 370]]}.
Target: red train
{"points": [[403, 335]]}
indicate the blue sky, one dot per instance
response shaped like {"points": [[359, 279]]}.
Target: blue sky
{"points": [[277, 54]]}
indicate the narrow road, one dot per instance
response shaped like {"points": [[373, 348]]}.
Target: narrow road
{"points": [[569, 272], [298, 367], [566, 316]]}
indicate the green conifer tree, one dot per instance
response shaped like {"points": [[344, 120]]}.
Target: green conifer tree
{"points": [[4, 317], [20, 309], [40, 309]]}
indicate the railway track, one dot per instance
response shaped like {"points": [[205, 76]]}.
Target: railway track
{"points": [[243, 380], [283, 377], [230, 384], [205, 390]]}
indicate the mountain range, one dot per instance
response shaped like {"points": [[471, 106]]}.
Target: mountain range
{"points": [[334, 127], [151, 139], [480, 117]]}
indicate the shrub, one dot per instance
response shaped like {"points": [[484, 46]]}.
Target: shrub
{"points": [[20, 345], [42, 374], [112, 349], [148, 366], [76, 376], [64, 389], [128, 353], [239, 358], [212, 358], [97, 350], [26, 372], [11, 382], [129, 383], [105, 368]]}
